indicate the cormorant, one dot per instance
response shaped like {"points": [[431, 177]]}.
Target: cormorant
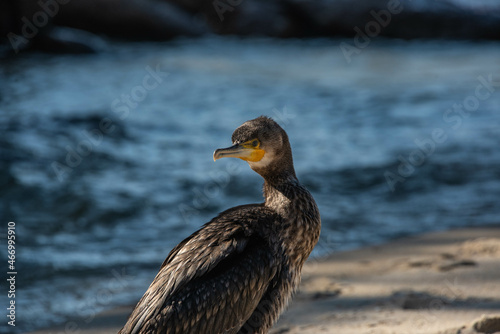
{"points": [[237, 273]]}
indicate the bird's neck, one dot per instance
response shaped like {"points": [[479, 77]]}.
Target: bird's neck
{"points": [[300, 214], [280, 192]]}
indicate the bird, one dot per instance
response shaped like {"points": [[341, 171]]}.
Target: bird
{"points": [[238, 272]]}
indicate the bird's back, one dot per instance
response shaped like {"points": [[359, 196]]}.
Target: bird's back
{"points": [[214, 280]]}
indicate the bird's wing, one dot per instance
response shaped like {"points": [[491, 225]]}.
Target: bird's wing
{"points": [[212, 281]]}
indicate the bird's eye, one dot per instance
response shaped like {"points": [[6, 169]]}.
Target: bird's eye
{"points": [[255, 143]]}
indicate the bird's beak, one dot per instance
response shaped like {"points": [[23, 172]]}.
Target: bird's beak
{"points": [[243, 151]]}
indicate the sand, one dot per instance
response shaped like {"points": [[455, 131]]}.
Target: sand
{"points": [[437, 283]]}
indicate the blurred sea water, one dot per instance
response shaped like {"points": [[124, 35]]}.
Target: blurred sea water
{"points": [[106, 160]]}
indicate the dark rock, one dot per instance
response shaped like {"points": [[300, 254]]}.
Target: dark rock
{"points": [[165, 19], [268, 18], [487, 324], [413, 300], [406, 19], [130, 19], [27, 25], [244, 17], [457, 264], [65, 40], [17, 26], [302, 18]]}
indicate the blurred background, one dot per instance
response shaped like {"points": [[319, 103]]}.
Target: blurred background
{"points": [[110, 111]]}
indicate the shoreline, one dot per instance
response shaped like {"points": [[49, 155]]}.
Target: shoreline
{"points": [[433, 283]]}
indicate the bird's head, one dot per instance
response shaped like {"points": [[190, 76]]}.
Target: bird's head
{"points": [[263, 144]]}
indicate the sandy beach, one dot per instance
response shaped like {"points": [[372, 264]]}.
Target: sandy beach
{"points": [[437, 283]]}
